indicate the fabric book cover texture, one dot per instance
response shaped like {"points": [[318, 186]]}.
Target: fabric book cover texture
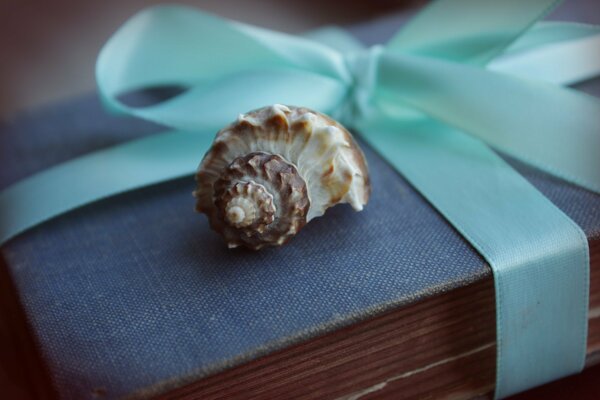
{"points": [[136, 293]]}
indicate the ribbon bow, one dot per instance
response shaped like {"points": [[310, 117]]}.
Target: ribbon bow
{"points": [[464, 76]]}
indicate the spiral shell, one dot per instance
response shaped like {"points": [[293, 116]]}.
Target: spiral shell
{"points": [[273, 170]]}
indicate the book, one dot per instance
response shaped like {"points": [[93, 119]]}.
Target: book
{"points": [[135, 296]]}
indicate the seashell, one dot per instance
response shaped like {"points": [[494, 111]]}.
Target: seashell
{"points": [[275, 169]]}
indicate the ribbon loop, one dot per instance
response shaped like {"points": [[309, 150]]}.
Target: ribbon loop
{"points": [[177, 45], [468, 31]]}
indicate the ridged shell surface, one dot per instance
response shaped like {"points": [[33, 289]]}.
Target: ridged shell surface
{"points": [[273, 170]]}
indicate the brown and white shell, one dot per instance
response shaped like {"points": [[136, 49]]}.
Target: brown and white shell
{"points": [[273, 170]]}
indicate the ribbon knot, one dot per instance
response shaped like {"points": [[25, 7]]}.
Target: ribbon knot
{"points": [[363, 68]]}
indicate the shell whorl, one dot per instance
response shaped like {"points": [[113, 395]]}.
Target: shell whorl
{"points": [[265, 195], [273, 170]]}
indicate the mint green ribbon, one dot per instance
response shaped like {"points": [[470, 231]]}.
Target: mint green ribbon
{"points": [[462, 77]]}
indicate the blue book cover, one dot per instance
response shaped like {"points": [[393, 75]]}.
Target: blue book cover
{"points": [[135, 294]]}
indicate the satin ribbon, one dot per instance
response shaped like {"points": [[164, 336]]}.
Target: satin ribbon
{"points": [[462, 77]]}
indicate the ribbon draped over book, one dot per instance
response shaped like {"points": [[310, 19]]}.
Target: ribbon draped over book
{"points": [[462, 78]]}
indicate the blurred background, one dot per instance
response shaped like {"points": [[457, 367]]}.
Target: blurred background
{"points": [[48, 51], [49, 47]]}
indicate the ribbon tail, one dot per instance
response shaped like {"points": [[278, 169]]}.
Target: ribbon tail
{"points": [[550, 32], [553, 128], [96, 176], [559, 53], [538, 256]]}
